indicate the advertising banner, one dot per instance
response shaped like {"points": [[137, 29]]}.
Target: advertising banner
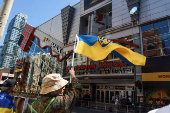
{"points": [[157, 76], [90, 3]]}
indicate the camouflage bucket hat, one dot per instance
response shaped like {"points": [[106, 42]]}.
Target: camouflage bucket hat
{"points": [[52, 82]]}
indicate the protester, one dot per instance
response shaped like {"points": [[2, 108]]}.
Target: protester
{"points": [[52, 99], [6, 103]]}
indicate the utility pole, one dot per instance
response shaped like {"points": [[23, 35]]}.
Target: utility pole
{"points": [[4, 14]]}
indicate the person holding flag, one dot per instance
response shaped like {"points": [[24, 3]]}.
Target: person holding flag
{"points": [[53, 99]]}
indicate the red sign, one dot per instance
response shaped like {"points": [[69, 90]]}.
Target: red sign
{"points": [[100, 64], [163, 76], [99, 18]]}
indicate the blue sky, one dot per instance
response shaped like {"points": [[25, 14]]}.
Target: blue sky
{"points": [[38, 11]]}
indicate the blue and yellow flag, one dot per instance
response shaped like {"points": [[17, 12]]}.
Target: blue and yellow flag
{"points": [[6, 103], [98, 48]]}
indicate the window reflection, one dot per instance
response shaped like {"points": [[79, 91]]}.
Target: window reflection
{"points": [[156, 39], [147, 27], [163, 30], [161, 24], [35, 49]]}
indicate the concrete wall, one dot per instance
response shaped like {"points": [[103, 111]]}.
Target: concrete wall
{"points": [[53, 27], [151, 10], [98, 6], [75, 23], [120, 13]]}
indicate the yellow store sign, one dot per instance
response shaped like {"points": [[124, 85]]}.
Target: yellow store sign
{"points": [[159, 76], [18, 70]]}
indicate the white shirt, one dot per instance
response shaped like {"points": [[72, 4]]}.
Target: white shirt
{"points": [[165, 109], [116, 101], [130, 100]]}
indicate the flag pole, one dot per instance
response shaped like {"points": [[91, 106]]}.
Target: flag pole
{"points": [[73, 56]]}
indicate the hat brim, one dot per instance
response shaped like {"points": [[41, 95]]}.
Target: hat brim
{"points": [[4, 88], [57, 86]]}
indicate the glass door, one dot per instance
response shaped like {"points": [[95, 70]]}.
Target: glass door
{"points": [[102, 95], [129, 95], [112, 96], [98, 96], [107, 96], [117, 94]]}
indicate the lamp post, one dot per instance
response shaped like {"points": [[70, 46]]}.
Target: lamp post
{"points": [[4, 14], [133, 13]]}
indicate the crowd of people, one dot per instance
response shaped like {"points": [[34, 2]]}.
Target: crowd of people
{"points": [[158, 101], [52, 99]]}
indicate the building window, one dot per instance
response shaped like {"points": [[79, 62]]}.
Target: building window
{"points": [[156, 39]]}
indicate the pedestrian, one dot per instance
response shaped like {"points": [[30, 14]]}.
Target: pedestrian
{"points": [[116, 101], [130, 99], [6, 103], [53, 99]]}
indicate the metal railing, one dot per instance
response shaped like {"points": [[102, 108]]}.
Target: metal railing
{"points": [[138, 108]]}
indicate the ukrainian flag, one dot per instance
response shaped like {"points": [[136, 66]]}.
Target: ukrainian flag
{"points": [[6, 103], [98, 48]]}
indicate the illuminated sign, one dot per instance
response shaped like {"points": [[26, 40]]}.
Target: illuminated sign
{"points": [[157, 76], [90, 3], [118, 67], [120, 87], [18, 70]]}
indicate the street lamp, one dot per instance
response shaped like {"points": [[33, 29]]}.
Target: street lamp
{"points": [[133, 10]]}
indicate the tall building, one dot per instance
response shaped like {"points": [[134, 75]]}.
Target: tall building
{"points": [[11, 50], [1, 50]]}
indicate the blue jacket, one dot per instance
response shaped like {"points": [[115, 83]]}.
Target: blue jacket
{"points": [[6, 103]]}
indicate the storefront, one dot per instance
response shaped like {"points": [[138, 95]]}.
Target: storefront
{"points": [[107, 92], [156, 77], [105, 80]]}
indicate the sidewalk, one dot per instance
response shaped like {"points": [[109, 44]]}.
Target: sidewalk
{"points": [[87, 110]]}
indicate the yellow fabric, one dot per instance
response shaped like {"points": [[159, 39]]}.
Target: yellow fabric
{"points": [[102, 52], [150, 102], [157, 76], [158, 102], [6, 110]]}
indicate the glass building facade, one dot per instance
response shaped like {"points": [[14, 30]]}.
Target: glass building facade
{"points": [[156, 38], [11, 50]]}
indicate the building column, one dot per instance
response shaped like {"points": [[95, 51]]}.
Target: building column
{"points": [[4, 14]]}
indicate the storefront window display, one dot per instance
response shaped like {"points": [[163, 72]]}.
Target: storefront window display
{"points": [[156, 39], [108, 93]]}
